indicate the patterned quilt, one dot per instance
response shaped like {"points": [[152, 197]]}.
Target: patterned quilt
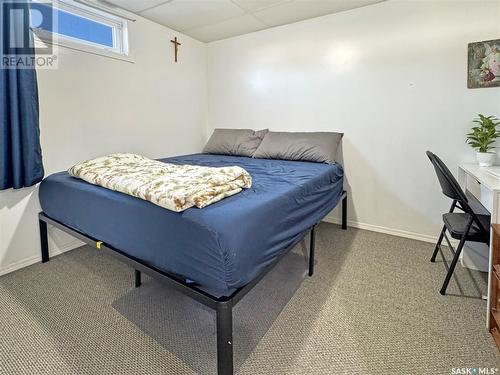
{"points": [[172, 186]]}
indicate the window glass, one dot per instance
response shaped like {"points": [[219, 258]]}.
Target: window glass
{"points": [[71, 25]]}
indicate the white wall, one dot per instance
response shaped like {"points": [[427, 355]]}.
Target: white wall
{"points": [[93, 105], [392, 76]]}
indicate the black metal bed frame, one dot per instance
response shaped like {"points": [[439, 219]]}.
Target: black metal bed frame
{"points": [[222, 305]]}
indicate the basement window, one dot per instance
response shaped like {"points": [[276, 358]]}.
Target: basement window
{"points": [[77, 26]]}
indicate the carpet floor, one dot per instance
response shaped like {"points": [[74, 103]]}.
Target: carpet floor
{"points": [[372, 307]]}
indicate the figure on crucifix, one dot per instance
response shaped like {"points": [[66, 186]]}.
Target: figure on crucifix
{"points": [[176, 47]]}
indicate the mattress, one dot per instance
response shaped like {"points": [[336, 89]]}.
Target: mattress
{"points": [[220, 247]]}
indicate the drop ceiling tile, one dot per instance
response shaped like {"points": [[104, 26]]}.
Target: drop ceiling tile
{"points": [[182, 15], [303, 9], [232, 27], [253, 5], [136, 5]]}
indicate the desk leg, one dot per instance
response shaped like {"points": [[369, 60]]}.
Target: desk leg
{"points": [[494, 220], [462, 180]]}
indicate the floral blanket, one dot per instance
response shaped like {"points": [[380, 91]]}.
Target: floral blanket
{"points": [[172, 186]]}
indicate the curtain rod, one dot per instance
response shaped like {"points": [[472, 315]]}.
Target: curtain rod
{"points": [[106, 7]]}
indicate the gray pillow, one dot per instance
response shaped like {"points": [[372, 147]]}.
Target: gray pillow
{"points": [[318, 147], [241, 142]]}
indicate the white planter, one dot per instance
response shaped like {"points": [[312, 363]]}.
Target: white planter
{"points": [[485, 159]]}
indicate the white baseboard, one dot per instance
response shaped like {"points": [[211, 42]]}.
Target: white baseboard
{"points": [[380, 229], [37, 258], [465, 260]]}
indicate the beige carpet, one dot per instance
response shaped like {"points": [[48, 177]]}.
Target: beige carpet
{"points": [[372, 307]]}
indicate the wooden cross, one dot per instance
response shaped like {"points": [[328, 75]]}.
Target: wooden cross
{"points": [[176, 44]]}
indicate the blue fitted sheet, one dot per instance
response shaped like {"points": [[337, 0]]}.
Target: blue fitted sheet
{"points": [[221, 247]]}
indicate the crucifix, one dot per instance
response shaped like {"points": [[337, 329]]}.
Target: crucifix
{"points": [[176, 46]]}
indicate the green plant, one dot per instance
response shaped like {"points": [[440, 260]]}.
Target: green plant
{"points": [[484, 134]]}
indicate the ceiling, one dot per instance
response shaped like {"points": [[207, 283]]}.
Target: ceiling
{"points": [[210, 20]]}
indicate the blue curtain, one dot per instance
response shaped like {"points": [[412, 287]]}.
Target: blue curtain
{"points": [[20, 152]]}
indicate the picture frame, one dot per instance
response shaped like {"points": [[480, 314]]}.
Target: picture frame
{"points": [[483, 67]]}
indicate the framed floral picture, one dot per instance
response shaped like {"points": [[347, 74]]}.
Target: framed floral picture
{"points": [[484, 64]]}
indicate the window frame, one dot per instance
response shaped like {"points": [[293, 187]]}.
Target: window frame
{"points": [[121, 45]]}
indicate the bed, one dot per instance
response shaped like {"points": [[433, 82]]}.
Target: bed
{"points": [[215, 254]]}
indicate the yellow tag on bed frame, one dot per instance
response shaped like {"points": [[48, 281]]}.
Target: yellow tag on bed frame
{"points": [[98, 244]]}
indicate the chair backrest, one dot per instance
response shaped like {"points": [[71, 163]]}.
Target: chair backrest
{"points": [[449, 185], [451, 188]]}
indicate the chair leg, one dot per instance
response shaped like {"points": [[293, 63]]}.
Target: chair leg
{"points": [[438, 244], [454, 261], [440, 239]]}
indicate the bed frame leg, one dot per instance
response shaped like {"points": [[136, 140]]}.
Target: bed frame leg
{"points": [[312, 245], [344, 213], [224, 313], [44, 240], [138, 278]]}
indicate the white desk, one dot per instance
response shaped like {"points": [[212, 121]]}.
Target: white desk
{"points": [[484, 184]]}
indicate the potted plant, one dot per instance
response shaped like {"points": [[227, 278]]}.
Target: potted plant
{"points": [[482, 137]]}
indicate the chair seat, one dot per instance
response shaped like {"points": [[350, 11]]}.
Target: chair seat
{"points": [[456, 224]]}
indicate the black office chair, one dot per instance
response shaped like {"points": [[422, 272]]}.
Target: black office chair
{"points": [[465, 226]]}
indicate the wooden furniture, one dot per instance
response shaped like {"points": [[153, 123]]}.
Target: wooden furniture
{"points": [[494, 292]]}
